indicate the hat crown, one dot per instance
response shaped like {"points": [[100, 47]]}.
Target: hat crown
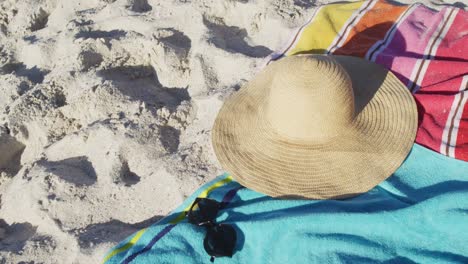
{"points": [[311, 98]]}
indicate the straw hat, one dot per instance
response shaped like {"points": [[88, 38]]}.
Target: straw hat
{"points": [[316, 127]]}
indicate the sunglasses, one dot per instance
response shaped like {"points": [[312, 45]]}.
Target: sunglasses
{"points": [[220, 239]]}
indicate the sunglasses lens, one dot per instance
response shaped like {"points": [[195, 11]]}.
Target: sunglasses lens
{"points": [[203, 210], [220, 241]]}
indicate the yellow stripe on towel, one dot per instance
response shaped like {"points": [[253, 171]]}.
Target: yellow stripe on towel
{"points": [[126, 246], [324, 28]]}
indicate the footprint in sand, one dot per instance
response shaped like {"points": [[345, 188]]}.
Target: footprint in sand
{"points": [[75, 170], [139, 6], [39, 20], [170, 57], [140, 83], [232, 38], [10, 161], [126, 176], [13, 237]]}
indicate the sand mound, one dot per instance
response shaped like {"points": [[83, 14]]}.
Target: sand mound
{"points": [[106, 108]]}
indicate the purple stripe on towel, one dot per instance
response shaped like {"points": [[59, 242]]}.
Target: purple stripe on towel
{"points": [[410, 42], [229, 195], [150, 245]]}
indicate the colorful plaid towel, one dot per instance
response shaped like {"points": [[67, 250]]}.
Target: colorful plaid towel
{"points": [[426, 49]]}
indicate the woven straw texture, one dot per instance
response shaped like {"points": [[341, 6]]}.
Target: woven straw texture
{"points": [[316, 127]]}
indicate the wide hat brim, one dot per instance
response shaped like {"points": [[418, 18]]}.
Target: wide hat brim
{"points": [[351, 163]]}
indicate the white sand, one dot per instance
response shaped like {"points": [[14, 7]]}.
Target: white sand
{"points": [[106, 109]]}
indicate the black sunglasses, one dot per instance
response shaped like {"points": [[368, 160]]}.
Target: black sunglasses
{"points": [[220, 239]]}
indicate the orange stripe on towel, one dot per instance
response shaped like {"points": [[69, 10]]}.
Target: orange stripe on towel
{"points": [[372, 27]]}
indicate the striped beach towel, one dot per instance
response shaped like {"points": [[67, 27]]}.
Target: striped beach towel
{"points": [[416, 216], [426, 49]]}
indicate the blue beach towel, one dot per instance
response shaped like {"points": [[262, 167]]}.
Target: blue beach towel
{"points": [[418, 215]]}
